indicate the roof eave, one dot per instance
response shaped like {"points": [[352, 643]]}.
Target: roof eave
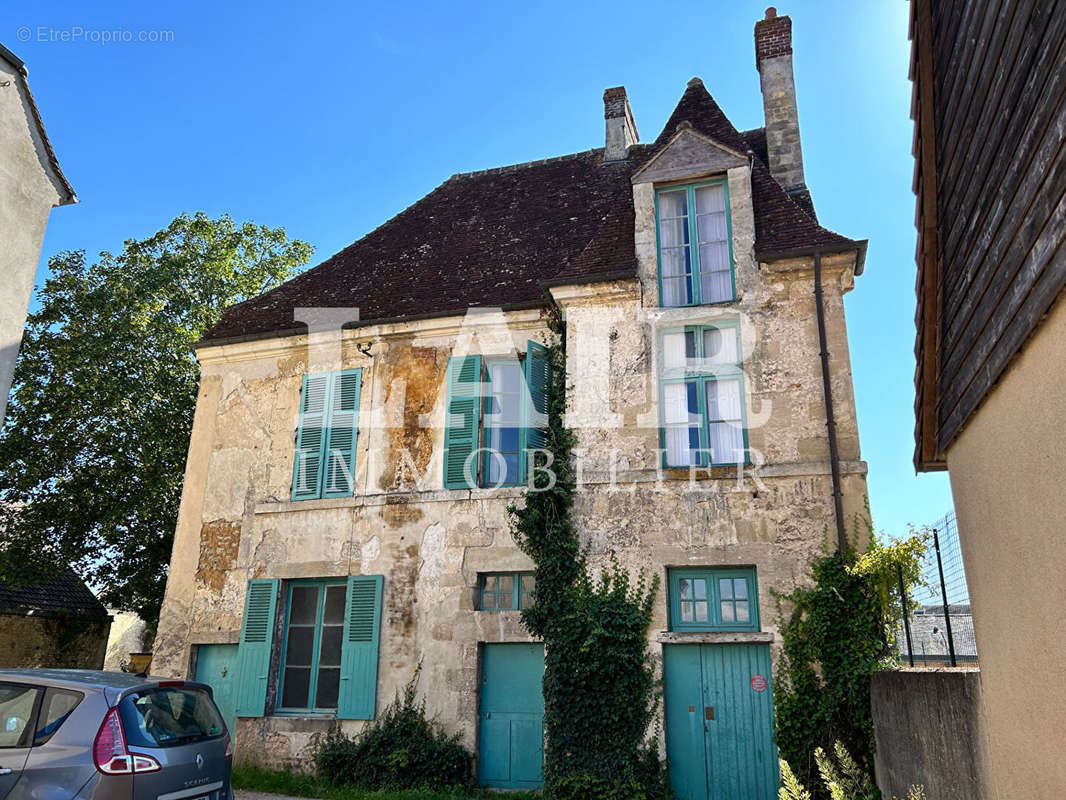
{"points": [[858, 246], [301, 330]]}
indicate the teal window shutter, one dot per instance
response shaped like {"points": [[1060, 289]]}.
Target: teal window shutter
{"points": [[311, 438], [253, 652], [534, 431], [342, 433], [359, 650], [463, 408]]}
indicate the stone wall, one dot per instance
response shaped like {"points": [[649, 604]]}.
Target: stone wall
{"points": [[237, 522], [930, 732], [52, 641]]}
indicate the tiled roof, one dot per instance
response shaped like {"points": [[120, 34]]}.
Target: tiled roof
{"points": [[64, 593], [497, 237]]}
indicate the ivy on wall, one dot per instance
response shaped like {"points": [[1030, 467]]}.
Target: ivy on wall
{"points": [[839, 632], [599, 689]]}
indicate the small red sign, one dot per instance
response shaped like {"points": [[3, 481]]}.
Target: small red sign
{"points": [[758, 683]]}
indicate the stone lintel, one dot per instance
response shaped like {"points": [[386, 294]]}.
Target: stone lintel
{"points": [[715, 637]]}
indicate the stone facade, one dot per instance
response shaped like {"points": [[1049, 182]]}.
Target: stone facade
{"points": [[56, 641], [237, 521]]}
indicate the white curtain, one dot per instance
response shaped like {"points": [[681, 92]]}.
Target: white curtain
{"points": [[677, 423], [720, 346], [726, 421], [716, 282]]}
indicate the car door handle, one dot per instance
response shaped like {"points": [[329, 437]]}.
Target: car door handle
{"points": [[5, 770]]}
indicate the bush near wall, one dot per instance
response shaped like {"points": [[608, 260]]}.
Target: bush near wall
{"points": [[401, 749]]}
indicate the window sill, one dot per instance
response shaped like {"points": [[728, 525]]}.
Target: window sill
{"points": [[715, 637], [705, 305], [375, 499], [298, 714]]}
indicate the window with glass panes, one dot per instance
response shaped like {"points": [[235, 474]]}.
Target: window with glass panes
{"points": [[702, 393], [507, 591], [311, 658], [695, 253], [709, 599], [502, 424]]}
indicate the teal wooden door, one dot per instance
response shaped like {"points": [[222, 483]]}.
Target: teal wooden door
{"points": [[719, 722], [511, 729], [216, 665]]}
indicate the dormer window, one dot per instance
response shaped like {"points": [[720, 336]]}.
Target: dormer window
{"points": [[695, 253]]}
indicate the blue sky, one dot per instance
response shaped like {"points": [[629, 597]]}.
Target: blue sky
{"points": [[329, 120]]}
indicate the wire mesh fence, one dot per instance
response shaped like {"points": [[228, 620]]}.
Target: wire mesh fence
{"points": [[940, 630]]}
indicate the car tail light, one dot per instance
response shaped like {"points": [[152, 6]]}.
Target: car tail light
{"points": [[229, 746], [110, 753]]}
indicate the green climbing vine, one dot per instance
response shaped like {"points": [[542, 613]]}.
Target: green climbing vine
{"points": [[599, 688], [838, 633]]}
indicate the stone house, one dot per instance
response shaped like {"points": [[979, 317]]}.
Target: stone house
{"points": [[55, 623], [31, 185], [361, 430]]}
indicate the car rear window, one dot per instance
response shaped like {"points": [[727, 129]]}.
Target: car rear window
{"points": [[169, 716]]}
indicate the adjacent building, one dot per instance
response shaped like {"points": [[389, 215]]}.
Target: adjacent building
{"points": [[990, 175], [54, 623], [361, 430], [31, 185]]}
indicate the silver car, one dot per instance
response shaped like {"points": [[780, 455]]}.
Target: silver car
{"points": [[87, 735]]}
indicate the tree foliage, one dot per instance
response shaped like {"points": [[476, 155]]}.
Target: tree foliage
{"points": [[92, 452], [599, 690], [839, 632]]}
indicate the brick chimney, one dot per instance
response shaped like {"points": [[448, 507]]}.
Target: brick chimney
{"points": [[621, 129], [773, 59]]}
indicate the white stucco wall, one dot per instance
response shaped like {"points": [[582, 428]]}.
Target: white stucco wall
{"points": [[28, 192]]}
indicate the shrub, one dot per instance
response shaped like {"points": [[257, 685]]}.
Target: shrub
{"points": [[645, 779], [401, 749], [836, 636], [843, 779]]}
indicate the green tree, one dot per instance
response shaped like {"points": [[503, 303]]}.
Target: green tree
{"points": [[92, 452]]}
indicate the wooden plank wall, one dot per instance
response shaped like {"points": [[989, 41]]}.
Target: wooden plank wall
{"points": [[1000, 129]]}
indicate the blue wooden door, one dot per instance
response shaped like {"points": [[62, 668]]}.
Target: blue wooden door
{"points": [[719, 722], [216, 665], [511, 730]]}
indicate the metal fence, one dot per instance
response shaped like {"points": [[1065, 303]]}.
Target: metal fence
{"points": [[940, 631]]}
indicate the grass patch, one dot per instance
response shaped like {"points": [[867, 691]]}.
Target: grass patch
{"points": [[265, 780]]}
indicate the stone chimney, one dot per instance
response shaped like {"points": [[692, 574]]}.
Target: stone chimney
{"points": [[621, 129], [773, 59]]}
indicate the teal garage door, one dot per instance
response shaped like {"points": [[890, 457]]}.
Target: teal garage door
{"points": [[216, 666], [511, 730], [719, 722]]}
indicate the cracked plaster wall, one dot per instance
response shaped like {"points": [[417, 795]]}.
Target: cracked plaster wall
{"points": [[430, 543]]}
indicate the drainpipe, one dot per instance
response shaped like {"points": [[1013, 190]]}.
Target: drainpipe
{"points": [[830, 417]]}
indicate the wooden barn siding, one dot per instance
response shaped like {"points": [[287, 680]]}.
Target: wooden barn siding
{"points": [[1000, 93]]}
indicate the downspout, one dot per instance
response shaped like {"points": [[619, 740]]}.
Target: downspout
{"points": [[830, 416]]}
